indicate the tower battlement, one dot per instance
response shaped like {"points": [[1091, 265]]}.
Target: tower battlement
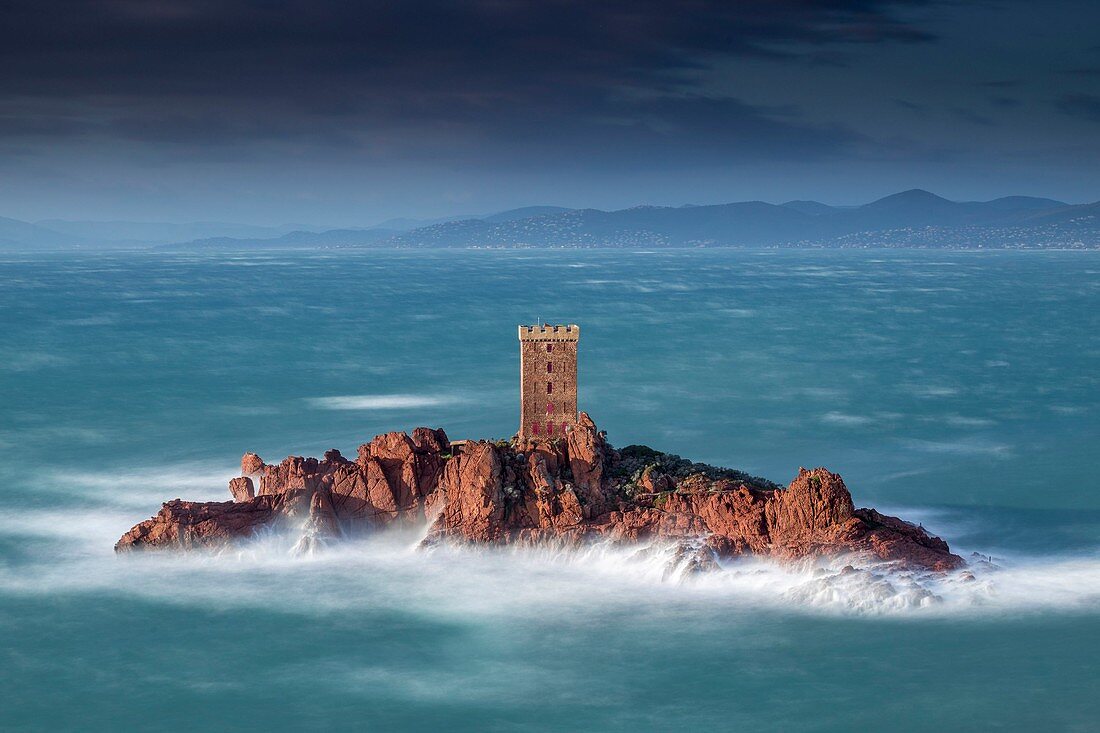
{"points": [[546, 332], [547, 380]]}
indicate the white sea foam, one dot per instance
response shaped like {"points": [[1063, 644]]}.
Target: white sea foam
{"points": [[932, 390], [15, 439], [382, 401], [26, 361], [144, 486], [70, 553], [478, 680], [93, 526], [962, 421], [104, 319], [840, 418], [961, 447]]}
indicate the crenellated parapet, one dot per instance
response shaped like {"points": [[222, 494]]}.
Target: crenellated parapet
{"points": [[546, 332]]}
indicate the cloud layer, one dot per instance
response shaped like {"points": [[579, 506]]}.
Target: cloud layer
{"points": [[223, 73], [353, 94]]}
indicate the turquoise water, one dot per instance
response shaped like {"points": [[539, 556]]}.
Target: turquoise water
{"points": [[956, 389]]}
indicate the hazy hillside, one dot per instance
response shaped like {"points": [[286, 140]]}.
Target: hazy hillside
{"points": [[15, 234], [813, 208], [914, 218], [526, 212], [152, 232], [911, 218], [65, 234], [293, 240]]}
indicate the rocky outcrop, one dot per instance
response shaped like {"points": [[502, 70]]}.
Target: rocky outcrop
{"points": [[242, 488], [251, 464], [212, 524], [564, 491], [322, 527]]}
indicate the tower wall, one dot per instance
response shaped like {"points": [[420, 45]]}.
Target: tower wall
{"points": [[547, 356]]}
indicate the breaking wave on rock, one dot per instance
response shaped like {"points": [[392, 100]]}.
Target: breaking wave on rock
{"points": [[285, 570]]}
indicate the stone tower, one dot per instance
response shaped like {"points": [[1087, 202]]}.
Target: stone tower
{"points": [[547, 380]]}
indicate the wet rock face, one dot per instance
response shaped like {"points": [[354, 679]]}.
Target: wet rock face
{"points": [[562, 491], [322, 527]]}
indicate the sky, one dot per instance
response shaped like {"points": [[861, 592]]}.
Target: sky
{"points": [[349, 113]]}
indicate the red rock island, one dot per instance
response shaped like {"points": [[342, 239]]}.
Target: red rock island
{"points": [[564, 491], [563, 485]]}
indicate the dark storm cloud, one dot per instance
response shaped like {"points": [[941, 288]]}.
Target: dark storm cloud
{"points": [[247, 48], [586, 73], [354, 111]]}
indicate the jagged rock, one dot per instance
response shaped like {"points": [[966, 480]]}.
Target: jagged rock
{"points": [[210, 525], [587, 452], [322, 527], [429, 447], [895, 539], [295, 472], [251, 464], [322, 516], [472, 496], [554, 491], [242, 488]]}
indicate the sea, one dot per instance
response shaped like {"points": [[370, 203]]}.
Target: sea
{"points": [[958, 390]]}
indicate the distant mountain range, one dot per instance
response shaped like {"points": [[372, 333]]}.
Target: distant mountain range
{"points": [[914, 218], [63, 233], [911, 219]]}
